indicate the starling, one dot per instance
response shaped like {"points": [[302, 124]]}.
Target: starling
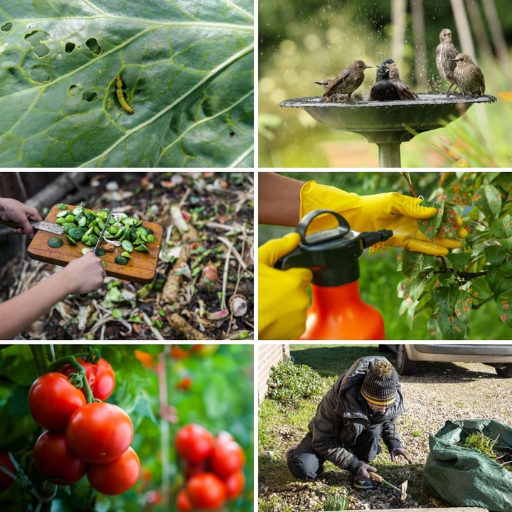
{"points": [[445, 53], [404, 91], [325, 83], [468, 76], [348, 80], [384, 89]]}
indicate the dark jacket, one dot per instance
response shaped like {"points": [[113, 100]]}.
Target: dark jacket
{"points": [[343, 414]]}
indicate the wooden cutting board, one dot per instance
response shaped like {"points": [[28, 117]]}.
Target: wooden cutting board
{"points": [[140, 269]]}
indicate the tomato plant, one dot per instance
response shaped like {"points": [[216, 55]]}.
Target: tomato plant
{"points": [[53, 459], [99, 432], [100, 376], [52, 400], [206, 491], [115, 477]]}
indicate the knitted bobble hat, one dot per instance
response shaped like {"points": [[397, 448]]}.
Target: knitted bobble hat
{"points": [[379, 385]]}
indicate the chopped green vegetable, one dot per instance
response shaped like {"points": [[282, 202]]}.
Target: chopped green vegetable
{"points": [[101, 251], [69, 218], [104, 264], [55, 242], [126, 255], [62, 206], [127, 246], [71, 240], [142, 248], [129, 221], [62, 214], [78, 211], [120, 260], [61, 221], [151, 239]]}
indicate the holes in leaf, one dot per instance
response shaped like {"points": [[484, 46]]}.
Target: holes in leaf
{"points": [[35, 38], [7, 27], [89, 96], [73, 90], [39, 74], [93, 46], [69, 47]]}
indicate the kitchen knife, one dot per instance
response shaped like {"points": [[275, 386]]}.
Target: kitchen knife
{"points": [[50, 227]]}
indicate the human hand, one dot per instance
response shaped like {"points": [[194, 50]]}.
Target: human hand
{"points": [[283, 300], [13, 210], [363, 474], [390, 210], [84, 274], [400, 452]]}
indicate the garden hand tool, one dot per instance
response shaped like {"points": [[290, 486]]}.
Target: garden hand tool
{"points": [[50, 227], [337, 310], [391, 210], [402, 489]]}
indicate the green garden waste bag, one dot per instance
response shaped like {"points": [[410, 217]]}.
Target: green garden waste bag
{"points": [[464, 477]]}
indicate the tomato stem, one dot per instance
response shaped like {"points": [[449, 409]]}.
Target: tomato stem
{"points": [[80, 369]]}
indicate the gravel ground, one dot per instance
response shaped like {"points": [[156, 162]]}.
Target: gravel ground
{"points": [[439, 392]]}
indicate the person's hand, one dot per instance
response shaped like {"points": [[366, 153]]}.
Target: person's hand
{"points": [[84, 274], [363, 474], [400, 452], [391, 210], [283, 300], [13, 210]]}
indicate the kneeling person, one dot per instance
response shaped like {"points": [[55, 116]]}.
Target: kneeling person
{"points": [[361, 407]]}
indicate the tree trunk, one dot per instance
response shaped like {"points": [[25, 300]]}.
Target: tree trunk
{"points": [[497, 36], [479, 28], [420, 61], [398, 13], [463, 30]]}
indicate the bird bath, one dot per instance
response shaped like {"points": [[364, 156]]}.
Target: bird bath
{"points": [[388, 123]]}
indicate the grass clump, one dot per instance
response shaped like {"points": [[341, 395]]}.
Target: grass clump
{"points": [[288, 383], [480, 442], [336, 502]]}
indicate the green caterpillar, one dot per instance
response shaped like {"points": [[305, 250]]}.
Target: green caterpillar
{"points": [[121, 98]]}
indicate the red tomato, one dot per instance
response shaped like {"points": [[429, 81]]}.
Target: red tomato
{"points": [[5, 480], [53, 459], [185, 384], [227, 458], [179, 353], [194, 443], [100, 376], [234, 485], [206, 491], [52, 400], [223, 437], [99, 432], [183, 503], [117, 476]]}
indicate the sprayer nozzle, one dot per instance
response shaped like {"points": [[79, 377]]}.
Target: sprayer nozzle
{"points": [[372, 237]]}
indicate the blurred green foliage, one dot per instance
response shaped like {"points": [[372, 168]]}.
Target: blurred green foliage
{"points": [[303, 42], [221, 398], [379, 276]]}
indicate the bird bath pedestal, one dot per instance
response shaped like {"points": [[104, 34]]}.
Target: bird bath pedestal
{"points": [[388, 123]]}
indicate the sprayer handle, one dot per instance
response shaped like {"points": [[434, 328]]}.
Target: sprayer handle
{"points": [[302, 227]]}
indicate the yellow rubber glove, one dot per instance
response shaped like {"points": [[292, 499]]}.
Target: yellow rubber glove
{"points": [[380, 211], [283, 300]]}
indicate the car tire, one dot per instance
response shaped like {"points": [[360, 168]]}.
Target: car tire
{"points": [[505, 372], [404, 365]]}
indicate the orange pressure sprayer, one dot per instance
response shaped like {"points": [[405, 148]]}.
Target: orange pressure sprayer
{"points": [[337, 311]]}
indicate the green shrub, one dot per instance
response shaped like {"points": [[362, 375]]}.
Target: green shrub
{"points": [[289, 382], [336, 502]]}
